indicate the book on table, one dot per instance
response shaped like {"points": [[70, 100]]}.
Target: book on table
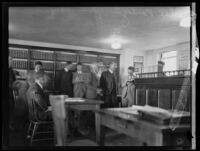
{"points": [[162, 116]]}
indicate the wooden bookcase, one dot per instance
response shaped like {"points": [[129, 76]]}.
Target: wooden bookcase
{"points": [[53, 59]]}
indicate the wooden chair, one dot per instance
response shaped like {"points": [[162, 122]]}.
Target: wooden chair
{"points": [[42, 129], [59, 117], [45, 134]]}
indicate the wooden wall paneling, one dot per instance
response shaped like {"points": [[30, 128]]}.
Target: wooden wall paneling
{"points": [[164, 100], [107, 59], [140, 97], [152, 97], [29, 57], [176, 96]]}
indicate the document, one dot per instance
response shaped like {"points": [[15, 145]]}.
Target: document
{"points": [[74, 100]]}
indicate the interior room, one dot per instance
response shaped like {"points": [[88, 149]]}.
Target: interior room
{"points": [[152, 43]]}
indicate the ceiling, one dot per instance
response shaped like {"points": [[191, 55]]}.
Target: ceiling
{"points": [[138, 28]]}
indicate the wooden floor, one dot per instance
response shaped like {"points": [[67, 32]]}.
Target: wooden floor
{"points": [[112, 138]]}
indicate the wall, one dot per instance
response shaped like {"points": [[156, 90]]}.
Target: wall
{"points": [[126, 55], [183, 55], [126, 60]]}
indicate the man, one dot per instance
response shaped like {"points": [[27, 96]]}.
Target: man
{"points": [[37, 100], [12, 79], [109, 86], [64, 80], [128, 88], [31, 75], [79, 81]]}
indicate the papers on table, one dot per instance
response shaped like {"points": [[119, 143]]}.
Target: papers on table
{"points": [[74, 100]]}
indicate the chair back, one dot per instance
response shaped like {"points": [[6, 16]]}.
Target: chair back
{"points": [[15, 95], [59, 118]]}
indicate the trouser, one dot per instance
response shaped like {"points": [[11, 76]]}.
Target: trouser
{"points": [[110, 101], [68, 92]]}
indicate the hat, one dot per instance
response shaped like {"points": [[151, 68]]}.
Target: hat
{"points": [[38, 63]]}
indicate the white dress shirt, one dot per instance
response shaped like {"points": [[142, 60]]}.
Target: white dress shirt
{"points": [[39, 84]]}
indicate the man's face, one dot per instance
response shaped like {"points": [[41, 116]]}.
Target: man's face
{"points": [[113, 66], [38, 68], [10, 61], [130, 72], [79, 68]]}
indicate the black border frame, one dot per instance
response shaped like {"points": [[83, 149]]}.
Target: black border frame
{"points": [[4, 52]]}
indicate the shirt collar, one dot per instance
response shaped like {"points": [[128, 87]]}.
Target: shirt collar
{"points": [[110, 71], [39, 84], [79, 72], [66, 70]]}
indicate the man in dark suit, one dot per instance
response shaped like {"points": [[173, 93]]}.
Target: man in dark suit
{"points": [[64, 80], [38, 101], [12, 79], [108, 85]]}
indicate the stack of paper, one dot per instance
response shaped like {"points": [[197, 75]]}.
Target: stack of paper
{"points": [[74, 100]]}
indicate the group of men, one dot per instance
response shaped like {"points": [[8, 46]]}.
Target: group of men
{"points": [[72, 83]]}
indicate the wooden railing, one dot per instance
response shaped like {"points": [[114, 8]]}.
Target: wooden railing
{"points": [[176, 73], [163, 92]]}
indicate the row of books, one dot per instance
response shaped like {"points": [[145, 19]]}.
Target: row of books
{"points": [[59, 66], [65, 57], [88, 59], [42, 55], [18, 53], [20, 64]]}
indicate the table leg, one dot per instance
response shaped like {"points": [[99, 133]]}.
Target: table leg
{"points": [[67, 125], [99, 128]]}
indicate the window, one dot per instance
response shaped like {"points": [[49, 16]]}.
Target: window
{"points": [[170, 60]]}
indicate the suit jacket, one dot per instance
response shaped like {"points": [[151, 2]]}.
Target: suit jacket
{"points": [[92, 86], [80, 84], [37, 102], [12, 77], [64, 81], [107, 83]]}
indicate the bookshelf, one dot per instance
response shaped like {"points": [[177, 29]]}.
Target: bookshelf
{"points": [[53, 59]]}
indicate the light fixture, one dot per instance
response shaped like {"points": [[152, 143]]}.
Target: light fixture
{"points": [[116, 45], [185, 22]]}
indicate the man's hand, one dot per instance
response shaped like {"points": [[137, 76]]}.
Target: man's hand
{"points": [[49, 109], [100, 92]]}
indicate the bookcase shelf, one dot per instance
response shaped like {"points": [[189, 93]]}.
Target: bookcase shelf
{"points": [[54, 59]]}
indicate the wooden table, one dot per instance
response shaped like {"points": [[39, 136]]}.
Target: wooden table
{"points": [[87, 105], [148, 133]]}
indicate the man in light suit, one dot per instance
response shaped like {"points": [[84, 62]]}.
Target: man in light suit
{"points": [[108, 85], [80, 81]]}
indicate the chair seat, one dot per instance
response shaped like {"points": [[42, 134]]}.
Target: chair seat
{"points": [[83, 142]]}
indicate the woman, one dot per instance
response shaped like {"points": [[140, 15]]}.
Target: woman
{"points": [[128, 89]]}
